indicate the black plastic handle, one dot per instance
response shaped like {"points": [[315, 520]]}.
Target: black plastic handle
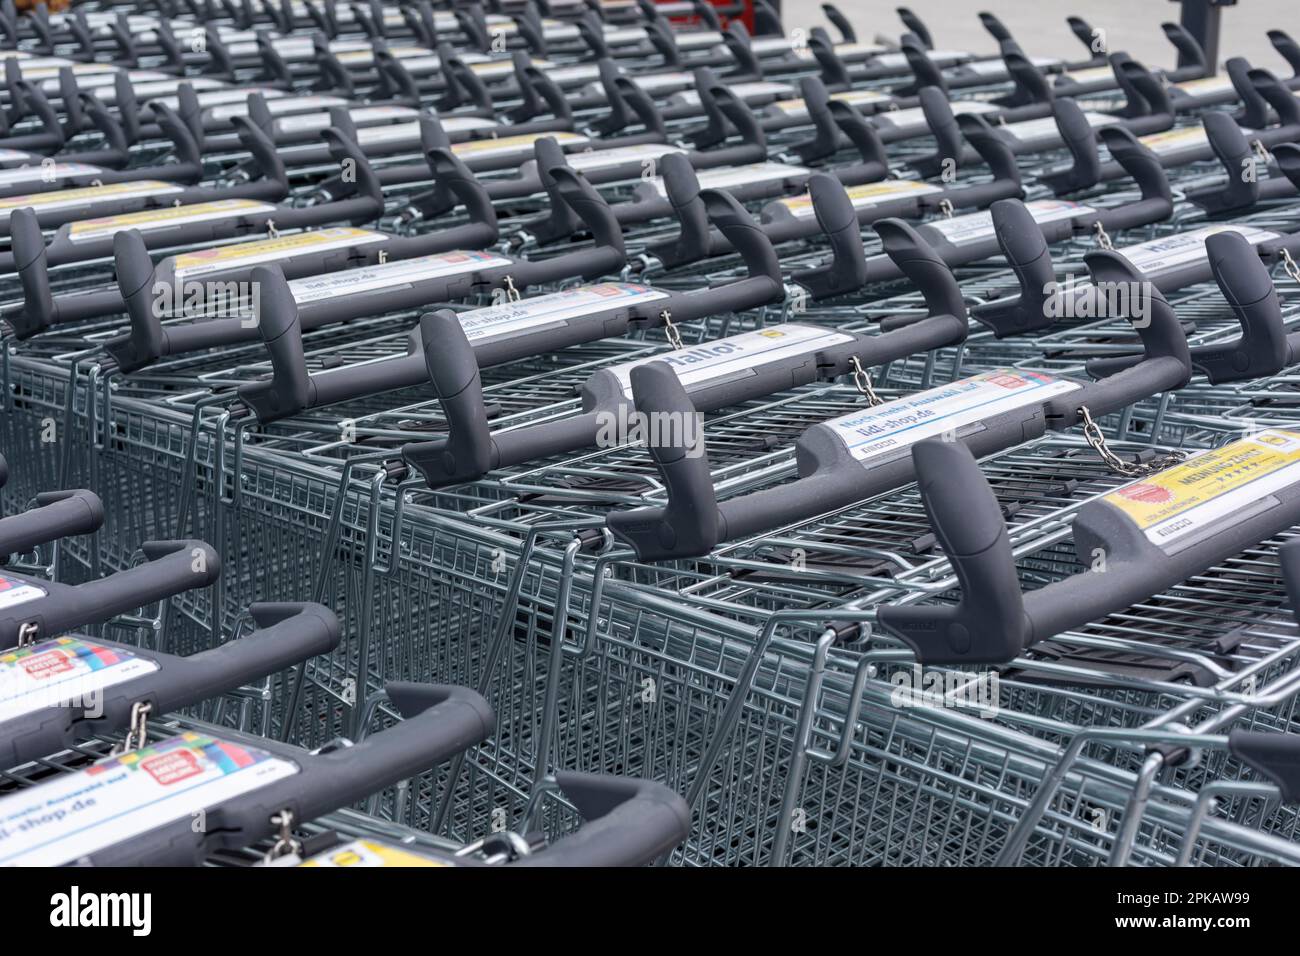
{"points": [[629, 822], [846, 270], [1190, 53], [996, 27], [923, 267], [834, 15], [1286, 47], [987, 625], [58, 514], [275, 312], [1157, 199], [438, 722], [749, 240], [1245, 283], [1276, 756], [1080, 139], [466, 453], [1025, 249], [917, 26], [688, 524]]}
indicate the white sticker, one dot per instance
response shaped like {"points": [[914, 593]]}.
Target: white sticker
{"points": [[913, 118], [940, 57], [309, 122], [868, 194], [698, 39], [521, 145], [207, 261], [891, 429], [1177, 140], [1157, 255], [1045, 130], [284, 104], [744, 91], [1207, 86], [846, 51], [389, 275], [16, 591], [797, 108], [998, 67], [621, 155], [729, 177], [165, 218], [65, 670], [574, 75], [1093, 74], [531, 315], [49, 174], [737, 355], [15, 156], [150, 92], [119, 798], [977, 226]]}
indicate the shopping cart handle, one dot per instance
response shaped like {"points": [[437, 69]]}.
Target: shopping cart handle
{"points": [[1263, 347], [4, 472], [1143, 166], [529, 26], [628, 822], [1287, 157], [662, 38], [1240, 190], [826, 139], [466, 452], [289, 389], [925, 270], [40, 309], [1080, 139], [1150, 89], [835, 16], [1025, 249], [438, 722], [268, 178], [865, 138], [1188, 49], [1254, 113], [1166, 362], [688, 523], [694, 240], [846, 270], [1274, 755], [287, 634], [834, 73], [561, 220], [608, 254], [995, 26], [1285, 103], [736, 38], [1286, 47], [57, 514], [987, 625]]}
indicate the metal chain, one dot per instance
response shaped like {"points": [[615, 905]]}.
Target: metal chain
{"points": [[285, 844], [27, 634], [670, 329], [1289, 266], [862, 382], [138, 730], [1092, 434], [271, 231], [1260, 150], [1103, 237], [512, 294], [946, 207]]}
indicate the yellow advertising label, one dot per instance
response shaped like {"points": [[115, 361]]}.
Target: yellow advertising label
{"points": [[485, 147], [1209, 84], [267, 250], [1092, 74], [74, 197], [853, 97], [866, 194], [368, 853], [167, 216], [1174, 139], [1210, 487]]}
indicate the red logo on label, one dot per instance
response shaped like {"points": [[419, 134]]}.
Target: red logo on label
{"points": [[41, 666], [1007, 381], [170, 768], [1149, 494]]}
